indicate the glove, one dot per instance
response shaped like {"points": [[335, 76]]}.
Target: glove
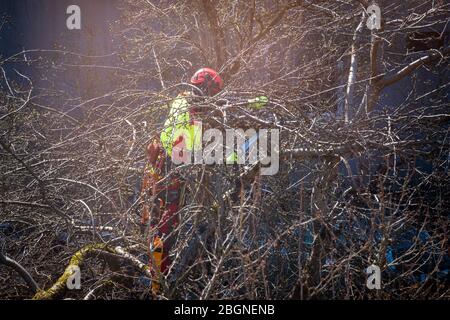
{"points": [[258, 102]]}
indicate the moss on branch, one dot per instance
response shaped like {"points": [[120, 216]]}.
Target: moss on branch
{"points": [[76, 260]]}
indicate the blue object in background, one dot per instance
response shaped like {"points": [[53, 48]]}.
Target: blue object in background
{"points": [[403, 243]]}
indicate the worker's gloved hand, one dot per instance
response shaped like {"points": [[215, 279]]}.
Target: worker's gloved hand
{"points": [[258, 102]]}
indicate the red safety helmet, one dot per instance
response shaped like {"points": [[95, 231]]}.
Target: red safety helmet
{"points": [[208, 81]]}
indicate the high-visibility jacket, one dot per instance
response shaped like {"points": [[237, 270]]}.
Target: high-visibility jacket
{"points": [[181, 128]]}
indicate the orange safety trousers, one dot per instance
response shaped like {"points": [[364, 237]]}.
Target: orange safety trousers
{"points": [[162, 211]]}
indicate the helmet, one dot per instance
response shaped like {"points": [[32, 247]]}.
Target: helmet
{"points": [[208, 81]]}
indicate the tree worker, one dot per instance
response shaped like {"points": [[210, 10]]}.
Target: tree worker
{"points": [[161, 188]]}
